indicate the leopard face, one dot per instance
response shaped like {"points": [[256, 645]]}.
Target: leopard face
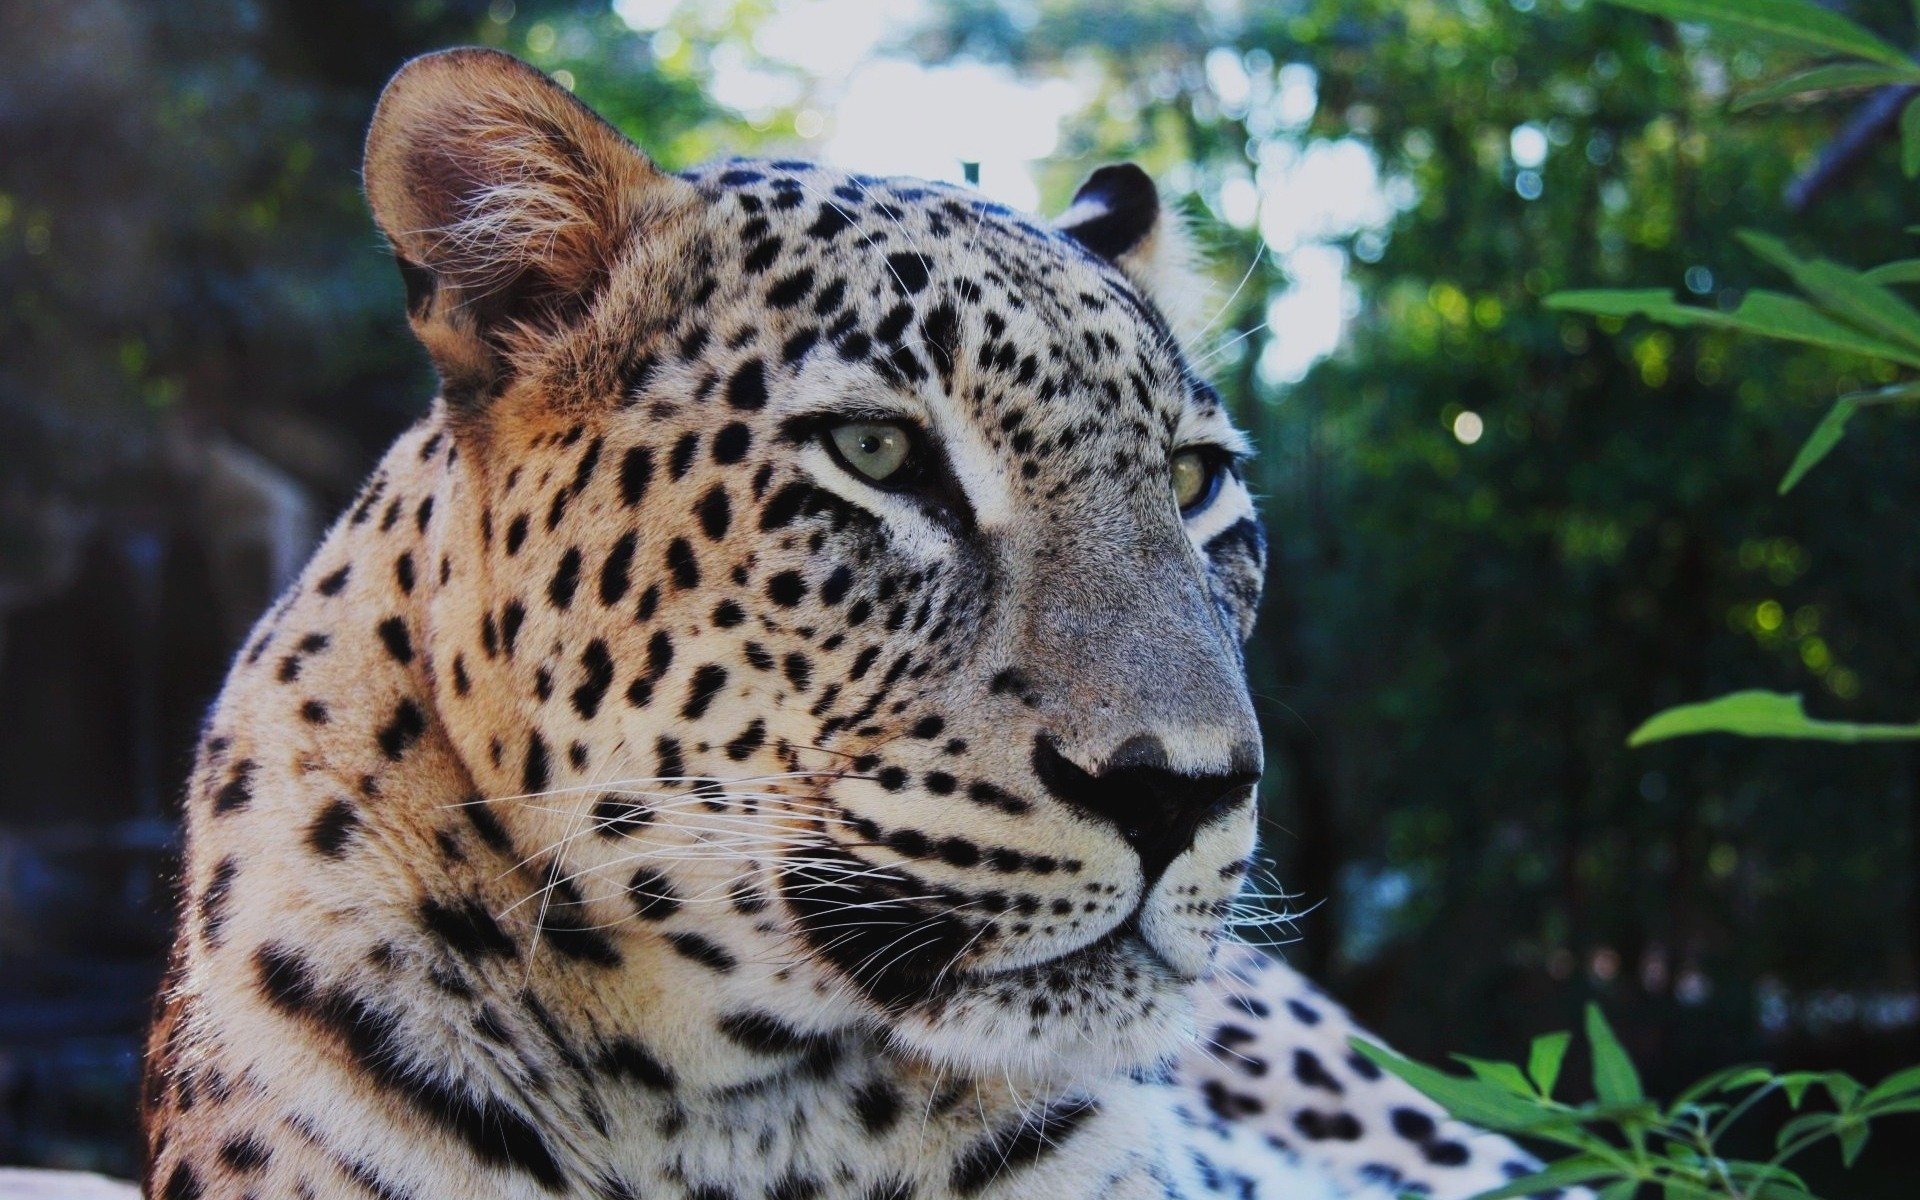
{"points": [[849, 576]]}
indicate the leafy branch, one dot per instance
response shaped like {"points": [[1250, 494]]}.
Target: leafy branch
{"points": [[1836, 308], [1623, 1139]]}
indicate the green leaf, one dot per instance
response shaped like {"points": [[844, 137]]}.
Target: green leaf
{"points": [[1910, 138], [1906, 270], [1825, 436], [1727, 1080], [1468, 1099], [1853, 1139], [1622, 1190], [1831, 78], [1544, 1059], [1614, 1079], [1899, 1082], [1502, 1075], [1568, 1172], [1767, 314], [1842, 291], [1799, 23], [1760, 714]]}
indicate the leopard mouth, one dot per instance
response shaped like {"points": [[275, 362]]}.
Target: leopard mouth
{"points": [[904, 953]]}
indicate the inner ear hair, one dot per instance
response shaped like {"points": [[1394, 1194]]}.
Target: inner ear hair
{"points": [[506, 201]]}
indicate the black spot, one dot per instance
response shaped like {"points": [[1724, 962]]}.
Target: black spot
{"points": [[730, 444], [244, 1154], [393, 635], [616, 572], [566, 579], [791, 290], [683, 564], [878, 1106], [1412, 1124], [1308, 1069], [786, 589], [467, 928], [636, 472], [784, 506], [761, 256], [331, 585], [516, 534], [1319, 1126], [596, 666], [909, 271], [653, 897], [382, 1048], [763, 1033], [681, 459], [237, 792], [487, 825], [535, 775], [183, 1184], [750, 739], [213, 901], [834, 588], [1445, 1154], [1020, 1145], [1304, 1013], [403, 572], [728, 614], [511, 616], [333, 829], [747, 390], [828, 224], [698, 949], [402, 730], [628, 1059], [707, 682], [715, 512]]}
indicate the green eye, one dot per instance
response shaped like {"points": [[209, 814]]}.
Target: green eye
{"points": [[878, 451], [1196, 477]]}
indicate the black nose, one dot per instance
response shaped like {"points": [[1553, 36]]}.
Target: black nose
{"points": [[1157, 809]]}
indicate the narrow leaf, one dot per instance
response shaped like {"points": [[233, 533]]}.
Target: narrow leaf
{"points": [[1468, 1099], [1799, 23], [1621, 1190], [1910, 138], [1906, 270], [1761, 714], [1768, 314], [1899, 1082], [1832, 78], [1503, 1075], [1842, 291], [1544, 1059], [1614, 1079], [1853, 1139], [1825, 436], [1568, 1172]]}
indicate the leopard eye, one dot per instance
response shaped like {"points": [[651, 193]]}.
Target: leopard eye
{"points": [[877, 451], [1196, 479]]}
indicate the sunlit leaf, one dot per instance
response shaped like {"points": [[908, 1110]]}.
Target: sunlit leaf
{"points": [[1468, 1099], [1831, 78], [1842, 291], [1761, 714], [1767, 314], [1614, 1079], [1801, 23], [1544, 1059]]}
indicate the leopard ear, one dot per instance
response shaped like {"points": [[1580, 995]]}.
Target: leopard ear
{"points": [[507, 203], [1117, 214]]}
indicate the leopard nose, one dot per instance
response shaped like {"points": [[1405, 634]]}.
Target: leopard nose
{"points": [[1156, 809]]}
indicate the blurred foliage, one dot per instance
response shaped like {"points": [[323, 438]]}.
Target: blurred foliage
{"points": [[1500, 538]]}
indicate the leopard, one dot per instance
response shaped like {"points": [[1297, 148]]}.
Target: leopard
{"points": [[775, 728]]}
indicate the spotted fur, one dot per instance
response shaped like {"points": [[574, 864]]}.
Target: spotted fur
{"points": [[631, 801]]}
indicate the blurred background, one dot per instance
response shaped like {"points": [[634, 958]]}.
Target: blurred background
{"points": [[1501, 536]]}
